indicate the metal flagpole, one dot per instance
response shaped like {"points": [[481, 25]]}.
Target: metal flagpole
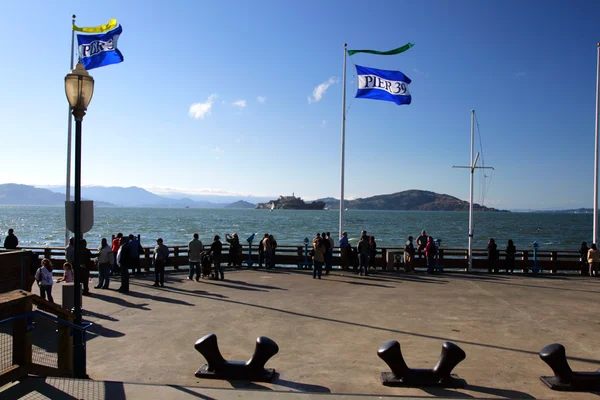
{"points": [[472, 167], [343, 145], [69, 129], [596, 149]]}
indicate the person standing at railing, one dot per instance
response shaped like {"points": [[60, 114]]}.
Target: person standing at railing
{"points": [[43, 277], [492, 249], [583, 252], [430, 253], [70, 251], [273, 251], [421, 243], [372, 252], [267, 250], [261, 251], [409, 254], [136, 251], [328, 254], [116, 244], [125, 261], [509, 259], [345, 252], [105, 260], [235, 248], [161, 254], [194, 249], [363, 254], [11, 241], [593, 259], [86, 262], [216, 248], [319, 250]]}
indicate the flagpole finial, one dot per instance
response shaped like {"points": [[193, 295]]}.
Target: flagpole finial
{"points": [[346, 44], [74, 16]]}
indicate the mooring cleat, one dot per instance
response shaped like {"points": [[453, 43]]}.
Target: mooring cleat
{"points": [[439, 376], [219, 368], [565, 379]]}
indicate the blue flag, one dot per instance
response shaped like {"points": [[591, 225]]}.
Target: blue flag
{"points": [[383, 85], [99, 50]]}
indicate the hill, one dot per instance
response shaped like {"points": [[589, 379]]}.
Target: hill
{"points": [[414, 200], [25, 195], [240, 204]]}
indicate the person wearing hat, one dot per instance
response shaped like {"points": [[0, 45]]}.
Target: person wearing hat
{"points": [[235, 248], [161, 254], [215, 249]]}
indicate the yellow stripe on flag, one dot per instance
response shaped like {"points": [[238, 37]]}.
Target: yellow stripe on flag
{"points": [[112, 24]]}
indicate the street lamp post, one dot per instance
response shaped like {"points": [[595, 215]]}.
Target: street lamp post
{"points": [[79, 88]]}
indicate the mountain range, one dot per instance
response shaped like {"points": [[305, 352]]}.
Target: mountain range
{"points": [[418, 200]]}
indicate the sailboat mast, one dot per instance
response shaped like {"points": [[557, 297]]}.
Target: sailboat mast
{"points": [[470, 255]]}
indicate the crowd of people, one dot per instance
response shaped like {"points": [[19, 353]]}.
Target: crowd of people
{"points": [[123, 254]]}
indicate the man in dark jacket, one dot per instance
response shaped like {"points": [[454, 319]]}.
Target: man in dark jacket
{"points": [[216, 248], [11, 241], [125, 261]]}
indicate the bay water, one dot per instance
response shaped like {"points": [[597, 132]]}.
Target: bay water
{"points": [[45, 226]]}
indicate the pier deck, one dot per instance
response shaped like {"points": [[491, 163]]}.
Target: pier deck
{"points": [[328, 331]]}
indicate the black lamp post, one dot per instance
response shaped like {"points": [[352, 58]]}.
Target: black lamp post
{"points": [[79, 88]]}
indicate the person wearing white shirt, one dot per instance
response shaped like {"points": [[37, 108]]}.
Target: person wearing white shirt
{"points": [[43, 276]]}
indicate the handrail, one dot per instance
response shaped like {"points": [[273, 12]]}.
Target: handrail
{"points": [[82, 328]]}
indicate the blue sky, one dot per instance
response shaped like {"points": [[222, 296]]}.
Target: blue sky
{"points": [[213, 97]]}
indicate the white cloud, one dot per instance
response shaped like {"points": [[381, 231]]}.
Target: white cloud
{"points": [[520, 74], [200, 110], [217, 150], [324, 122], [422, 74], [261, 99], [320, 90], [239, 103]]}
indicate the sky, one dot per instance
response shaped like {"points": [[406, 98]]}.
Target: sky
{"points": [[238, 97]]}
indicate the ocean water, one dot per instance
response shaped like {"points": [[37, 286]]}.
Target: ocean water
{"points": [[45, 226]]}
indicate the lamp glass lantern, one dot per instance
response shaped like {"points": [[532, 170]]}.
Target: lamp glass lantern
{"points": [[79, 88]]}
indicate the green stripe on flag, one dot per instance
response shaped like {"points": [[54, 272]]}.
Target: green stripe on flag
{"points": [[383, 53]]}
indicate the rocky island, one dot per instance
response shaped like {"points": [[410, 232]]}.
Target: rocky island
{"points": [[291, 203]]}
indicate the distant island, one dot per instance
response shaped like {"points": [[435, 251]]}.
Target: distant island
{"points": [[291, 203], [409, 200], [240, 204]]}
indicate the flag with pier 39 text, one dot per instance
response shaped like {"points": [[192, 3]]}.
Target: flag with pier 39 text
{"points": [[381, 84], [99, 50]]}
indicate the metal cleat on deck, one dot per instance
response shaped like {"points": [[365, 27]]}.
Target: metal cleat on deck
{"points": [[439, 376], [219, 368], [565, 379]]}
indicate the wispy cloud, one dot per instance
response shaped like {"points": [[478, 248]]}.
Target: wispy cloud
{"points": [[239, 103], [218, 150], [200, 110], [520, 74], [261, 99], [324, 122], [321, 89], [422, 74]]}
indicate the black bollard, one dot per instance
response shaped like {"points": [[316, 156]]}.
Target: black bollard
{"points": [[439, 376], [219, 368], [565, 379]]}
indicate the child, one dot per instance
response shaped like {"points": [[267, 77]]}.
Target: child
{"points": [[68, 274], [43, 276]]}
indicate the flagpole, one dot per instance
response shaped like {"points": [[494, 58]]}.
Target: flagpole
{"points": [[343, 145], [596, 149], [69, 129]]}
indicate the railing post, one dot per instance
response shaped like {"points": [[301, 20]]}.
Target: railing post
{"points": [[554, 260], [21, 336], [65, 348], [384, 263], [48, 253]]}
